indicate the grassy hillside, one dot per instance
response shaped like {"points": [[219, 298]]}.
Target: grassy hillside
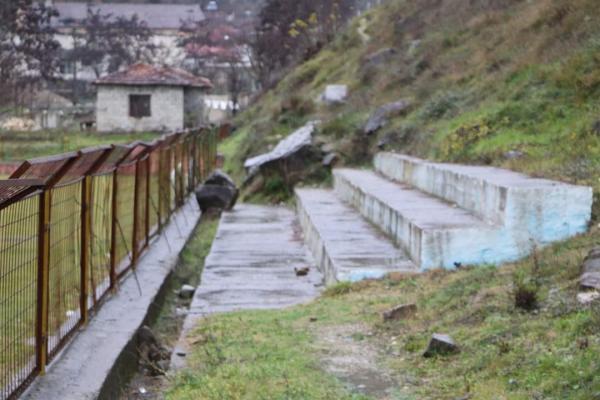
{"points": [[484, 78]]}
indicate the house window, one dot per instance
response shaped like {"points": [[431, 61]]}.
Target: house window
{"points": [[139, 105]]}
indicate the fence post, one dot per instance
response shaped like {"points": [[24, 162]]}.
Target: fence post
{"points": [[113, 231], [148, 192], [86, 233], [43, 280]]}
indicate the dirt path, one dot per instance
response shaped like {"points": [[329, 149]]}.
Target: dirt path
{"points": [[349, 354]]}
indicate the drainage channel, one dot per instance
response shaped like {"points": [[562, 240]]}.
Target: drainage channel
{"points": [[144, 376]]}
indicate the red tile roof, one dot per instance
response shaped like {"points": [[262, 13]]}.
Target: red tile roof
{"points": [[147, 75]]}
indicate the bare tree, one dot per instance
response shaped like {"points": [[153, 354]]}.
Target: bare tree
{"points": [[106, 43], [28, 50], [294, 30]]}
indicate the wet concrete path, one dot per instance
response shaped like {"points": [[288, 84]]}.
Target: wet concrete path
{"points": [[252, 266]]}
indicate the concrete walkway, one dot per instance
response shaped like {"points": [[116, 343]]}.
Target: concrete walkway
{"points": [[103, 353], [251, 266]]}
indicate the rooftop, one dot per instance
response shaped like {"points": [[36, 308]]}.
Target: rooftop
{"points": [[157, 16], [147, 75]]}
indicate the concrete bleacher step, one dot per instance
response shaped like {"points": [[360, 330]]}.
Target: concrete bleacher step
{"points": [[345, 246], [546, 210], [444, 214]]}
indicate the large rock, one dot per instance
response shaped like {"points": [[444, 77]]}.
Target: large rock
{"points": [[440, 345], [220, 178], [292, 144], [590, 279], [217, 192], [380, 117], [334, 94], [216, 197]]}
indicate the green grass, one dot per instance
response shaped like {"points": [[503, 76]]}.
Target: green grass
{"points": [[26, 145], [506, 353], [255, 355]]}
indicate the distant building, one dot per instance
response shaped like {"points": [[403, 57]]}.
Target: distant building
{"points": [[212, 6], [165, 20], [149, 98]]}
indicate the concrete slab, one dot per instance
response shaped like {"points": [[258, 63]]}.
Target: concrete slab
{"points": [[251, 266], [345, 246], [99, 358]]}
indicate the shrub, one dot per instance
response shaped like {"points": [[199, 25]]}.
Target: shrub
{"points": [[456, 145], [439, 106], [527, 286]]}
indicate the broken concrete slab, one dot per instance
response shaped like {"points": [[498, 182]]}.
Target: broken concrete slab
{"points": [[252, 265], [288, 146], [334, 94], [98, 360]]}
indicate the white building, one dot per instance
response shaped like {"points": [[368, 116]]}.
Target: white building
{"points": [[149, 98], [165, 21]]}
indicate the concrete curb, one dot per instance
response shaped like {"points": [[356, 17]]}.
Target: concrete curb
{"points": [[102, 357]]}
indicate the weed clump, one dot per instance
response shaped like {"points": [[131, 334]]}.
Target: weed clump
{"points": [[527, 286]]}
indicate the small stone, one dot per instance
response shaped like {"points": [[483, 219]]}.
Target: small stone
{"points": [[187, 292], [400, 312], [330, 160], [590, 278], [302, 271], [181, 312], [513, 155], [585, 298], [440, 344], [596, 127]]}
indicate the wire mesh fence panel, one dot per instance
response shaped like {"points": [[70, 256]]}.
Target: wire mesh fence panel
{"points": [[172, 178], [124, 216], [18, 289], [154, 191], [101, 220], [177, 173], [44, 227], [141, 185], [64, 271]]}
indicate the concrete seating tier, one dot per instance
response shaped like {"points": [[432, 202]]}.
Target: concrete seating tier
{"points": [[441, 215], [344, 245]]}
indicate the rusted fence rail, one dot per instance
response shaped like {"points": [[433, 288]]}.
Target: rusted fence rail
{"points": [[71, 226]]}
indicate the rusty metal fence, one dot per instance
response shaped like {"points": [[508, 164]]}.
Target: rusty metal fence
{"points": [[71, 226]]}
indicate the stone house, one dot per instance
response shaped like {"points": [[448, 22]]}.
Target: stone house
{"points": [[150, 98]]}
